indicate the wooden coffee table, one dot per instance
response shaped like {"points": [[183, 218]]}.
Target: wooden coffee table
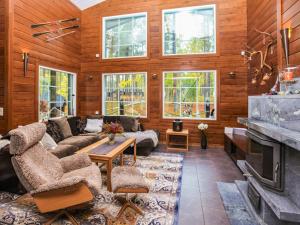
{"points": [[117, 150]]}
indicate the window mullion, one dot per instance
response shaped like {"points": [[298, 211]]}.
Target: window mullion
{"points": [[131, 75], [119, 36]]}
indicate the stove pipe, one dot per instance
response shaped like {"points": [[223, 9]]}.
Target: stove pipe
{"points": [[285, 44]]}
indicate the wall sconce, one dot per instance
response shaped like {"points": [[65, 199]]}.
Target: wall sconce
{"points": [[232, 74], [154, 76], [285, 38], [25, 56]]}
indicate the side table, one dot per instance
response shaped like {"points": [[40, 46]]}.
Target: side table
{"points": [[177, 141]]}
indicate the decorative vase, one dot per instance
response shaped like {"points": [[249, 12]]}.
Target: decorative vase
{"points": [[111, 137], [203, 140]]}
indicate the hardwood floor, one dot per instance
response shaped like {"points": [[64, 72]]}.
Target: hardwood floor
{"points": [[200, 202]]}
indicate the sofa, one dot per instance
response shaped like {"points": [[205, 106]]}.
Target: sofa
{"points": [[133, 128], [66, 133]]}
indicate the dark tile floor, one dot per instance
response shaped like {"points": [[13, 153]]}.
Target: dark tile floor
{"points": [[200, 202]]}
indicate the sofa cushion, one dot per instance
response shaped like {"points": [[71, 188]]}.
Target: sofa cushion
{"points": [[80, 141], [8, 178], [62, 151], [111, 119], [91, 174], [94, 125], [64, 127], [128, 123], [73, 122], [54, 131], [48, 142]]}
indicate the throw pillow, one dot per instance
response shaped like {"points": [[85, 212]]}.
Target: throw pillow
{"points": [[64, 127], [135, 126], [48, 142], [127, 123], [54, 131], [81, 125], [94, 125]]}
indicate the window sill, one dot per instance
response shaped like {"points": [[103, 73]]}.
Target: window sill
{"points": [[190, 56], [125, 59]]}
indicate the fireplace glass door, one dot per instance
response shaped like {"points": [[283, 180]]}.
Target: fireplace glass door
{"points": [[260, 157], [264, 160]]}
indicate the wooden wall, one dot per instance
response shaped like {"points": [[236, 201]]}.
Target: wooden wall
{"points": [[261, 15], [232, 92], [291, 18], [2, 62], [271, 16], [63, 53]]}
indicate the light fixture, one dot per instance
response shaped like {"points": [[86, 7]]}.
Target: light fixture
{"points": [[232, 74], [285, 38], [25, 56]]}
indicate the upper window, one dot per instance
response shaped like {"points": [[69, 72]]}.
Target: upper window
{"points": [[56, 93], [189, 30], [125, 94], [189, 95], [125, 36]]}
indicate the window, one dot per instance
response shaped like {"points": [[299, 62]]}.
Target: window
{"points": [[125, 36], [56, 93], [189, 30], [190, 95], [125, 94]]}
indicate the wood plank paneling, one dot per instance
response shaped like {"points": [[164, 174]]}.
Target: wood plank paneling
{"points": [[232, 92], [63, 53], [261, 15], [2, 63]]}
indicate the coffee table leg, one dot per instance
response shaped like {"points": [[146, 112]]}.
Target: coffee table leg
{"points": [[122, 160], [134, 149], [109, 168]]}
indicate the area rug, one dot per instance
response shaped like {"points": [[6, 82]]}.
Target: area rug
{"points": [[234, 205], [162, 171]]}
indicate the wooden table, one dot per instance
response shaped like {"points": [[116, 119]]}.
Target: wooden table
{"points": [[173, 140], [109, 157]]}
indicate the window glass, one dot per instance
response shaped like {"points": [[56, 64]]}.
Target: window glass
{"points": [[189, 30], [125, 36], [56, 93], [125, 94], [189, 94]]}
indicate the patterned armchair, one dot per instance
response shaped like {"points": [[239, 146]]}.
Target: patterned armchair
{"points": [[55, 184]]}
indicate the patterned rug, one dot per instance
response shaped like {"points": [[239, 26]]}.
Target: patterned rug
{"points": [[163, 173]]}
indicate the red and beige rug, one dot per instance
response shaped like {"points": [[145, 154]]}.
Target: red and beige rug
{"points": [[163, 172]]}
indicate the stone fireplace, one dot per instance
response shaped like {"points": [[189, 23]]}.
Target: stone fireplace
{"points": [[272, 189]]}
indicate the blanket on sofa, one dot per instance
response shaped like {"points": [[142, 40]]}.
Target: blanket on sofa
{"points": [[142, 135], [3, 143]]}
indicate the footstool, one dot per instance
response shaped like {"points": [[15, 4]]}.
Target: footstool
{"points": [[126, 180]]}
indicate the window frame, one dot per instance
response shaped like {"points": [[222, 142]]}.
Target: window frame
{"points": [[104, 19], [146, 91], [214, 6], [74, 89], [191, 71]]}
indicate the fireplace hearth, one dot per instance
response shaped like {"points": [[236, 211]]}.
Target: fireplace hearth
{"points": [[272, 165]]}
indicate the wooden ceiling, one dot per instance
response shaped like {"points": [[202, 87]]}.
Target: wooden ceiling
{"points": [[84, 4]]}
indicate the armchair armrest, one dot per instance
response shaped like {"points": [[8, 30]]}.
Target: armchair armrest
{"points": [[60, 184], [75, 162]]}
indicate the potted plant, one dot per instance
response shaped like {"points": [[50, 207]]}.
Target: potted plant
{"points": [[112, 129], [203, 127]]}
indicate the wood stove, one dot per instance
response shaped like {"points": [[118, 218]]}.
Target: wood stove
{"points": [[265, 160]]}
